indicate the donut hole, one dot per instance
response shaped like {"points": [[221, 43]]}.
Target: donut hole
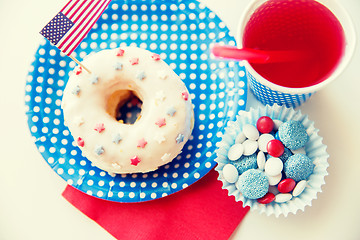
{"points": [[124, 106]]}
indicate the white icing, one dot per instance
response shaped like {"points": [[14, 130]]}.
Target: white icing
{"points": [[117, 143]]}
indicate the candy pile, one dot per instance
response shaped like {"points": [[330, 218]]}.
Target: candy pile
{"points": [[268, 161]]}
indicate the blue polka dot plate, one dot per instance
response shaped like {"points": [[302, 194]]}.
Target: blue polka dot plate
{"points": [[182, 32]]}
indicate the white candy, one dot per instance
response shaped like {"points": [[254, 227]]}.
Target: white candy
{"points": [[251, 132], [240, 138], [273, 166], [282, 197], [261, 159], [299, 150], [263, 141], [299, 188], [277, 124], [235, 151], [230, 173], [273, 180], [250, 147]]}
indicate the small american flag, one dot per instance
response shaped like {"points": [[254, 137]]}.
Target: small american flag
{"points": [[69, 27]]}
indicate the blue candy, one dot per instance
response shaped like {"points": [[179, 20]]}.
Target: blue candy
{"points": [[298, 167], [253, 184], [293, 134], [245, 163]]}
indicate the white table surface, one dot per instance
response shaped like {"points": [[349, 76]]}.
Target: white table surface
{"points": [[31, 206]]}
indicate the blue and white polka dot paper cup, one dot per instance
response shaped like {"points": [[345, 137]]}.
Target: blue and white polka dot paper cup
{"points": [[269, 93], [314, 149]]}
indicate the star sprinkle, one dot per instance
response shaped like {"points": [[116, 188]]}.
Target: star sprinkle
{"points": [[80, 142], [179, 138], [99, 150], [116, 165], [171, 111], [140, 75], [185, 95], [161, 122], [116, 138], [79, 121], [159, 138], [141, 143], [94, 79], [76, 90], [165, 157], [156, 57], [99, 127], [162, 75], [78, 70], [120, 52], [135, 160], [160, 95], [118, 66], [134, 61]]}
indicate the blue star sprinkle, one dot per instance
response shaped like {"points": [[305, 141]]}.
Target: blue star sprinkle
{"points": [[99, 150], [141, 75], [118, 66], [94, 79], [171, 111], [76, 90], [117, 138], [179, 138]]}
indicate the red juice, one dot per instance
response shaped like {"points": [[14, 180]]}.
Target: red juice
{"points": [[303, 25]]}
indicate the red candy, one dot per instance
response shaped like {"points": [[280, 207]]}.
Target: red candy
{"points": [[185, 96], [135, 160], [275, 148], [78, 70], [268, 198], [286, 185], [156, 57], [120, 52], [265, 124]]}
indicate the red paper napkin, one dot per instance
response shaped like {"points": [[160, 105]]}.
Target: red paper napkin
{"points": [[201, 211]]}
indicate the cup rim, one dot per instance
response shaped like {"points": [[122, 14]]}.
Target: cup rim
{"points": [[350, 44]]}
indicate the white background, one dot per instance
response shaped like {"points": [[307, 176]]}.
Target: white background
{"points": [[31, 206]]}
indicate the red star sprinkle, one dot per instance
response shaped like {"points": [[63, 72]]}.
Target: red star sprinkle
{"points": [[120, 52], [78, 70], [99, 127], [135, 160], [161, 122], [134, 61], [141, 143], [185, 96], [156, 57], [80, 142]]}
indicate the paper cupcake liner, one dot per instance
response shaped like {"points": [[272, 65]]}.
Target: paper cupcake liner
{"points": [[314, 148]]}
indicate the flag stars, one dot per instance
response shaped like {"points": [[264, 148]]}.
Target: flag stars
{"points": [[185, 95], [117, 138], [142, 143], [99, 127], [160, 96], [76, 90], [166, 157], [99, 150], [179, 138], [120, 52], [159, 138], [135, 160], [118, 66], [171, 111], [134, 61], [161, 122], [141, 75], [156, 57], [94, 79]]}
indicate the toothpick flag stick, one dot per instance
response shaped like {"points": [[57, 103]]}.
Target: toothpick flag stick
{"points": [[69, 27]]}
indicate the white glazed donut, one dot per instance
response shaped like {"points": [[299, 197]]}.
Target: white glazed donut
{"points": [[90, 102]]}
